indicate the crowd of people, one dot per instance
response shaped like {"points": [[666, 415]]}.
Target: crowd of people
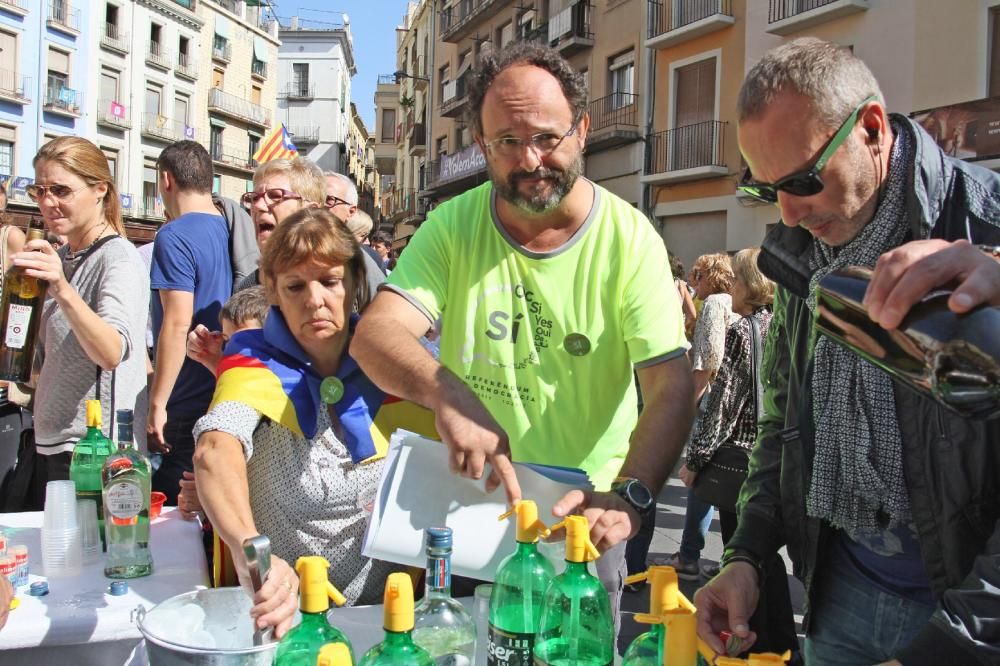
{"points": [[280, 326]]}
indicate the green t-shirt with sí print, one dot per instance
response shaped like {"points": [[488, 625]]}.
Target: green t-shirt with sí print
{"points": [[548, 341]]}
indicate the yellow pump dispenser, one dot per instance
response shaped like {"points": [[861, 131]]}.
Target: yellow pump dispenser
{"points": [[681, 645], [315, 590], [398, 603], [578, 545], [529, 528], [303, 643]]}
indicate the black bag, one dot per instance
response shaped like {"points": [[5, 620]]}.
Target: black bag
{"points": [[18, 488], [719, 482]]}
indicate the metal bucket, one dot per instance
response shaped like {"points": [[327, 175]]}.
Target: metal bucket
{"points": [[225, 636]]}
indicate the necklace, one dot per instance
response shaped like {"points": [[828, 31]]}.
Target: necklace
{"points": [[70, 254]]}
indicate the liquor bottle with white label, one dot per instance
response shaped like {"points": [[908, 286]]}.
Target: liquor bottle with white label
{"points": [[126, 479], [20, 314]]}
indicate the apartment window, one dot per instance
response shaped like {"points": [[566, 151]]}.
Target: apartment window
{"points": [[58, 72], [388, 125], [154, 96], [300, 79], [464, 137], [218, 78], [505, 34], [254, 144], [215, 142], [8, 61], [219, 44], [155, 33], [183, 44], [217, 184], [181, 105], [111, 15], [255, 94], [149, 190], [994, 83], [112, 157], [7, 140], [621, 79], [525, 21], [109, 88], [694, 100], [444, 76], [441, 146]]}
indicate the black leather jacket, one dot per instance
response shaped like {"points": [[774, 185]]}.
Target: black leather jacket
{"points": [[952, 465]]}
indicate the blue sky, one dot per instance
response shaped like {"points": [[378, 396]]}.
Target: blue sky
{"points": [[373, 28]]}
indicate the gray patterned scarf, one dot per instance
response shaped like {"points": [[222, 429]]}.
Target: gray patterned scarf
{"points": [[858, 466]]}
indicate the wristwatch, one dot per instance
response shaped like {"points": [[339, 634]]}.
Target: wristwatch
{"points": [[634, 492], [742, 555], [992, 250]]}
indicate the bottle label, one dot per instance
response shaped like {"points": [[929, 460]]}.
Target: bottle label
{"points": [[124, 500], [18, 318], [439, 570], [508, 648]]}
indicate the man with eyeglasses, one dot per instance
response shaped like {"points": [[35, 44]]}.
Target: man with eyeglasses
{"points": [[550, 290], [342, 200], [887, 502]]}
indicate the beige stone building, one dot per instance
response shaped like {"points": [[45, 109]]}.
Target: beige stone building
{"points": [[237, 56], [387, 110], [361, 165]]}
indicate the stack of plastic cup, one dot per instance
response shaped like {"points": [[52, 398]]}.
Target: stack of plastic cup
{"points": [[62, 543], [90, 538]]}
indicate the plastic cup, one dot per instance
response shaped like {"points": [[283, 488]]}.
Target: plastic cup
{"points": [[481, 616], [90, 537], [62, 551], [156, 500], [60, 505]]}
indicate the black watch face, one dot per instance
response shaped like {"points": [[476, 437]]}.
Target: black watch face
{"points": [[639, 495]]}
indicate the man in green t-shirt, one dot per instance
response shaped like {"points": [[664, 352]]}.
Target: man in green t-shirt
{"points": [[550, 290]]}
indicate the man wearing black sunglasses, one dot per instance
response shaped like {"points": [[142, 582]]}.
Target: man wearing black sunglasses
{"points": [[878, 493]]}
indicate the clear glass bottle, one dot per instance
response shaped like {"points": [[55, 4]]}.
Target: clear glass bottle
{"points": [[126, 481], [442, 625], [89, 455], [398, 648], [576, 627], [518, 592], [20, 315], [301, 646]]}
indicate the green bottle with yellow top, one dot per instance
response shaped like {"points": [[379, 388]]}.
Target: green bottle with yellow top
{"points": [[398, 648], [576, 627], [301, 646], [647, 649], [89, 455]]}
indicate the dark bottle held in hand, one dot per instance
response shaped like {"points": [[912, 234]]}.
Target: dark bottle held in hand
{"points": [[952, 358], [21, 308]]}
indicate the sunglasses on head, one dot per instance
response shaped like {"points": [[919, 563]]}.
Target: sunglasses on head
{"points": [[807, 182]]}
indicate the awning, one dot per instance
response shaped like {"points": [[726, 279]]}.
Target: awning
{"points": [[222, 26], [216, 122], [260, 49]]}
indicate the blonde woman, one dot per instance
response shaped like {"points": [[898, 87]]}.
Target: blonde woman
{"points": [[93, 326]]}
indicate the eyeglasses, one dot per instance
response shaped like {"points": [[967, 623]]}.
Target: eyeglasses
{"points": [[333, 202], [543, 143], [272, 197], [60, 192], [807, 182]]}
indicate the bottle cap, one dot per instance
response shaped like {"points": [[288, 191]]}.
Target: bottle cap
{"points": [[118, 588], [315, 590], [682, 636], [39, 588], [578, 545], [398, 608], [529, 528], [123, 416], [439, 537], [334, 654], [94, 418]]}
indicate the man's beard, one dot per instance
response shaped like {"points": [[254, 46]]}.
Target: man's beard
{"points": [[561, 182]]}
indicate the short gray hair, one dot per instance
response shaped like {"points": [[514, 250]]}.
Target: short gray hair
{"points": [[360, 221], [830, 76], [352, 189]]}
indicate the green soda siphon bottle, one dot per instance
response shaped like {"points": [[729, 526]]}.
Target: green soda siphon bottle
{"points": [[647, 648], [89, 455], [301, 645], [576, 627], [518, 591], [126, 480], [398, 648]]}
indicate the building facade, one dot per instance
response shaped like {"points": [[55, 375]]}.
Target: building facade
{"points": [[317, 116], [387, 110], [361, 165]]}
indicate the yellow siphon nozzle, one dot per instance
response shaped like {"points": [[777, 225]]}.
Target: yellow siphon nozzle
{"points": [[315, 590], [578, 545], [765, 658], [682, 636], [334, 654], [94, 417], [529, 528], [663, 596], [730, 661], [398, 603]]}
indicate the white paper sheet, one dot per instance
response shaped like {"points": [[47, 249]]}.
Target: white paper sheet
{"points": [[418, 491]]}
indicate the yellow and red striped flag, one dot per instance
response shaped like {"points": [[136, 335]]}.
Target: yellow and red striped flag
{"points": [[277, 146]]}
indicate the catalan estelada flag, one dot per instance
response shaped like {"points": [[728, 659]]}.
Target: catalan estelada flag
{"points": [[268, 370], [277, 146]]}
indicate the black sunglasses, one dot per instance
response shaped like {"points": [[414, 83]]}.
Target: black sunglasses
{"points": [[807, 182]]}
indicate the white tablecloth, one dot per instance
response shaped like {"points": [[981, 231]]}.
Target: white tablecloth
{"points": [[78, 622]]}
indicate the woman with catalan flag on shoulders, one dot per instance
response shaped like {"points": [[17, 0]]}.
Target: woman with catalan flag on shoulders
{"points": [[292, 445]]}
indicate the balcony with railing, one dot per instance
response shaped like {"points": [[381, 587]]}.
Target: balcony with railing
{"points": [[569, 30], [304, 135], [229, 5], [186, 67], [151, 208], [458, 171], [387, 80], [63, 17], [419, 76], [114, 39], [18, 7], [686, 153], [61, 100], [236, 107], [614, 121], [13, 86], [460, 20], [157, 56], [258, 69], [232, 156], [785, 17], [400, 205], [455, 95], [222, 52], [675, 21], [161, 128], [301, 90], [114, 115], [417, 138], [537, 35]]}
